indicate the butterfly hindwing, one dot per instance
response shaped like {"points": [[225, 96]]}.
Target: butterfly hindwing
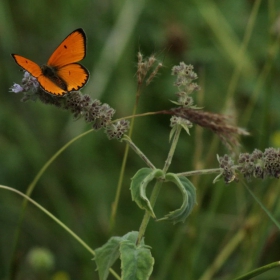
{"points": [[72, 49], [50, 87], [74, 75]]}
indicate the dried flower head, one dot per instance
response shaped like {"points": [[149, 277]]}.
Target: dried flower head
{"points": [[271, 158], [104, 116], [219, 124], [258, 164], [228, 168], [145, 66], [178, 123], [185, 74], [184, 82], [117, 130], [81, 106], [246, 165]]}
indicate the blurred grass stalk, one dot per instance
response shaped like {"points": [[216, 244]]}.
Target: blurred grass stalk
{"points": [[243, 66], [232, 47], [114, 46]]}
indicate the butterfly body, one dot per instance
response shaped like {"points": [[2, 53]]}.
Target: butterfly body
{"points": [[62, 73], [51, 73]]}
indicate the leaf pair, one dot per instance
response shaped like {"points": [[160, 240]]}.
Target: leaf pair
{"points": [[144, 176], [136, 261]]}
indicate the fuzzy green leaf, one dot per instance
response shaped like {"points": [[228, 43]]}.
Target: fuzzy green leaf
{"points": [[138, 187], [109, 252], [172, 131], [175, 102], [136, 261], [189, 198], [132, 236], [217, 178], [106, 256], [186, 128]]}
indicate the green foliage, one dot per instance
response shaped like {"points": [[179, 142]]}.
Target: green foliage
{"points": [[138, 187], [189, 198], [138, 191], [234, 47], [106, 256], [136, 261]]}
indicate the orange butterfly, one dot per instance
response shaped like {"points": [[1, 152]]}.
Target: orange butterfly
{"points": [[62, 73]]}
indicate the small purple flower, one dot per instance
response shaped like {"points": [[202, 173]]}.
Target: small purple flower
{"points": [[16, 88], [28, 84]]}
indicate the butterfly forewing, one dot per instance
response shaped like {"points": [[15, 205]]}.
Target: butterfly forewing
{"points": [[72, 49], [74, 75], [28, 65]]}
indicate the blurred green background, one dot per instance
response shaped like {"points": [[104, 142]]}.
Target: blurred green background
{"points": [[239, 73]]}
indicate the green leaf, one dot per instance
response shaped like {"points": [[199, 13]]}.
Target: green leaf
{"points": [[109, 252], [138, 187], [132, 236], [172, 131], [106, 256], [136, 261], [189, 198], [186, 128], [217, 178], [175, 102]]}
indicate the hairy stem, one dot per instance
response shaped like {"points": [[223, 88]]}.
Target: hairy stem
{"points": [[158, 185]]}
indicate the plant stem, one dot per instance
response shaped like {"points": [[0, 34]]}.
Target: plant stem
{"points": [[172, 148], [258, 271], [158, 185], [138, 151], [200, 172], [162, 112], [74, 235], [147, 216], [225, 253], [124, 161], [29, 192], [277, 224], [118, 192], [51, 216], [49, 162]]}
